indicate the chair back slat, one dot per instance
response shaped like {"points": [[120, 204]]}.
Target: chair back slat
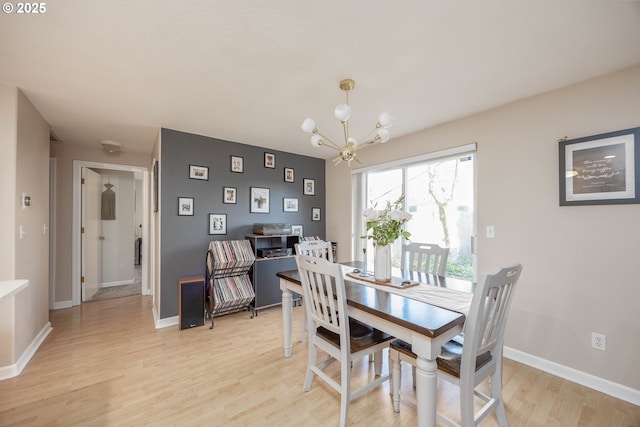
{"points": [[426, 258], [324, 294], [486, 322], [315, 248]]}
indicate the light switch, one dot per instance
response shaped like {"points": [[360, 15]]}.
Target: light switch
{"points": [[491, 232]]}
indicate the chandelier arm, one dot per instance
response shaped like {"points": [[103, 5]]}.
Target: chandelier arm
{"points": [[330, 144], [366, 142], [345, 127]]}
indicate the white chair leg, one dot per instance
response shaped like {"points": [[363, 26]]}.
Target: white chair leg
{"points": [[311, 361], [303, 333], [466, 404], [345, 391], [396, 379], [377, 363], [495, 384]]}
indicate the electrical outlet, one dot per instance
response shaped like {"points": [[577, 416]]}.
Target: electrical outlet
{"points": [[599, 341]]}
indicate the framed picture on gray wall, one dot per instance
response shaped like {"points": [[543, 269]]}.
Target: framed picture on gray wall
{"points": [[309, 187], [217, 223], [290, 204], [315, 214], [237, 164], [229, 195], [259, 200], [185, 206], [199, 172], [269, 160], [296, 230], [288, 175]]}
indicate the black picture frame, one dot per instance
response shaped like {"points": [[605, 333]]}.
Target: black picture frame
{"points": [[316, 214], [217, 223], [600, 169], [155, 185], [308, 187], [259, 202], [289, 204], [289, 175], [199, 172], [269, 160], [229, 195], [237, 164], [185, 206]]}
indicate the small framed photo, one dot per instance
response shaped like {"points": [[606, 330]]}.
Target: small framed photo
{"points": [[229, 195], [290, 204], [269, 160], [199, 172], [315, 214], [185, 206], [259, 200], [296, 230], [237, 164], [288, 175], [309, 187], [217, 223]]}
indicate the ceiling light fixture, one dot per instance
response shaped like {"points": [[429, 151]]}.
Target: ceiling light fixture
{"points": [[343, 112], [110, 146]]}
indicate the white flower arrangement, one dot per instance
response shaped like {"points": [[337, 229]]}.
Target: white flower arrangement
{"points": [[386, 224]]}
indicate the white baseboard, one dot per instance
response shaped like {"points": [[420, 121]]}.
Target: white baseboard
{"points": [[61, 304], [616, 390], [118, 283], [15, 369], [166, 322]]}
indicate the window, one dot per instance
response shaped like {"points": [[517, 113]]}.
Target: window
{"points": [[439, 193]]}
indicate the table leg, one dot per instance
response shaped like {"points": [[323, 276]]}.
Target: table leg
{"points": [[426, 388], [287, 315]]}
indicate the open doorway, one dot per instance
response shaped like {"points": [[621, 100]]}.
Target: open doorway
{"points": [[111, 241], [110, 225]]}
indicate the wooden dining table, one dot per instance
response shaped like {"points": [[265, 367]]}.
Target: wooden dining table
{"points": [[425, 326]]}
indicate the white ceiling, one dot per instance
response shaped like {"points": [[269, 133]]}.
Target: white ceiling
{"points": [[250, 71]]}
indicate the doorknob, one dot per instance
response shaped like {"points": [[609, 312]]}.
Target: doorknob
{"points": [[101, 237]]}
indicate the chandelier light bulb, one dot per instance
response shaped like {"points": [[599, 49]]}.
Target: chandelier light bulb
{"points": [[383, 134], [316, 140], [385, 120], [308, 125], [343, 112]]}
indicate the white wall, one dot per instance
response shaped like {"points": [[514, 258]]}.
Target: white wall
{"points": [[24, 167], [580, 263]]}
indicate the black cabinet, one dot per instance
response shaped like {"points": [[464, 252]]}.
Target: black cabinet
{"points": [[266, 283], [263, 275]]}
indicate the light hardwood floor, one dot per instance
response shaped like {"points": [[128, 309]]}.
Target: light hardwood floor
{"points": [[104, 364]]}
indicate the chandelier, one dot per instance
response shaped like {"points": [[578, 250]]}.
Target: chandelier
{"points": [[380, 132]]}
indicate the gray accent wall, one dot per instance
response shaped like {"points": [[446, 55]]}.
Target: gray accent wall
{"points": [[185, 239]]}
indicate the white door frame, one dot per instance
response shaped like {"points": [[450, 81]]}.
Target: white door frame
{"points": [[76, 247]]}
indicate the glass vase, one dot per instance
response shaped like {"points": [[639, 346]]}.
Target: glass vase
{"points": [[382, 263]]}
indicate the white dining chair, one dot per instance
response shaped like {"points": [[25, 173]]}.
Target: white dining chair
{"points": [[427, 258], [470, 359], [314, 248], [329, 330]]}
